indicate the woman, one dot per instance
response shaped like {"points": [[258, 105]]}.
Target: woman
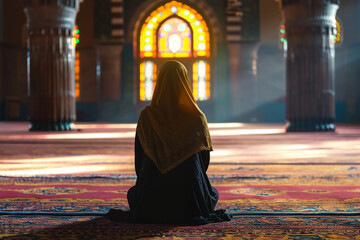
{"points": [[172, 146]]}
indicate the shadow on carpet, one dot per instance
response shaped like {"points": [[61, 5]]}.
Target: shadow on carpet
{"points": [[241, 227]]}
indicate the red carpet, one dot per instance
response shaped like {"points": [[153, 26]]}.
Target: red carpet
{"points": [[258, 169], [241, 227]]}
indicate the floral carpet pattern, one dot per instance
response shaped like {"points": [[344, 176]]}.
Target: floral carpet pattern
{"points": [[277, 185], [240, 227]]}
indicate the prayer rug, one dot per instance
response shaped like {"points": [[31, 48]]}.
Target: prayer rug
{"points": [[242, 189], [241, 227]]}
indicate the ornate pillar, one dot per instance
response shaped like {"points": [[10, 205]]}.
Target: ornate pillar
{"points": [[310, 94], [51, 69]]}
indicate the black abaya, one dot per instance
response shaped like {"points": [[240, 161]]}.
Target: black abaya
{"points": [[182, 195]]}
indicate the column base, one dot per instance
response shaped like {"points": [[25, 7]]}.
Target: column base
{"points": [[58, 126], [307, 126]]}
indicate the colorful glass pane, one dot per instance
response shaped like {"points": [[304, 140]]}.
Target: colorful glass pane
{"points": [[175, 30], [337, 37], [283, 40], [76, 40], [200, 40], [201, 80], [76, 35], [77, 75], [174, 39], [147, 80]]}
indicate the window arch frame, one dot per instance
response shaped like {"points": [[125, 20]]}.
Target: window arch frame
{"points": [[157, 36], [208, 58]]}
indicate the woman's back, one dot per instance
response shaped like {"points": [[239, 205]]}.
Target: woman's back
{"points": [[183, 194], [171, 157]]}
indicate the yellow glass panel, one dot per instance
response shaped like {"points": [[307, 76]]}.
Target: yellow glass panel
{"points": [[148, 74], [154, 76], [337, 37], [167, 55], [182, 55], [162, 44], [201, 53], [187, 46], [142, 79], [195, 80], [201, 80], [207, 81], [148, 54]]}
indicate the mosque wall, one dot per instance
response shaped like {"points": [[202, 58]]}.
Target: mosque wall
{"points": [[271, 65], [85, 21], [13, 91], [1, 53], [1, 20], [266, 93], [14, 23], [347, 62]]}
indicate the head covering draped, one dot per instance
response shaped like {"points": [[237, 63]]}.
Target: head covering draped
{"points": [[172, 128]]}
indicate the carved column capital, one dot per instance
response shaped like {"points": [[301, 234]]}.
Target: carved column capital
{"points": [[42, 14], [292, 2], [297, 13]]}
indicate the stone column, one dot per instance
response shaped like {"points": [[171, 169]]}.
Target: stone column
{"points": [[310, 94], [51, 69]]}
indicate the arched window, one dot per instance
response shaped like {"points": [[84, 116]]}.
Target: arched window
{"points": [[175, 31], [76, 40]]}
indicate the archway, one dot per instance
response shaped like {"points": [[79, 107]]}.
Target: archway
{"points": [[174, 31]]}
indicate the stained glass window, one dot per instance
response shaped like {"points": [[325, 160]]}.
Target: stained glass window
{"points": [[174, 39], [201, 40], [283, 39], [76, 36], [338, 36], [76, 40], [201, 83], [175, 30], [147, 80], [77, 74]]}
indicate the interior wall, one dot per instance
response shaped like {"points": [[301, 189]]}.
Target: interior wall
{"points": [[270, 65], [270, 20], [14, 22], [85, 22], [347, 63], [1, 20], [1, 58], [348, 13]]}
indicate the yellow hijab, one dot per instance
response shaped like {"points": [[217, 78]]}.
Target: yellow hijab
{"points": [[172, 128]]}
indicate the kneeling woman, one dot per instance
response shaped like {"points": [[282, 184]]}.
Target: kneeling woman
{"points": [[172, 146]]}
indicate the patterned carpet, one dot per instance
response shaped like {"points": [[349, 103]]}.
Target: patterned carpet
{"points": [[241, 227], [279, 186]]}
